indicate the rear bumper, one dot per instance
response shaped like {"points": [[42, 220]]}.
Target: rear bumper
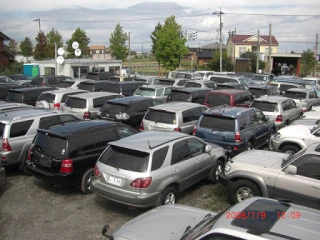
{"points": [[2, 176], [10, 158], [141, 201]]}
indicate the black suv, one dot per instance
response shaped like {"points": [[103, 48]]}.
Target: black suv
{"points": [[194, 95], [47, 80], [125, 88], [97, 76], [66, 155], [128, 110], [235, 128], [92, 86]]}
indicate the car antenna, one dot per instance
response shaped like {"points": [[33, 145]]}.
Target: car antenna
{"points": [[149, 144]]}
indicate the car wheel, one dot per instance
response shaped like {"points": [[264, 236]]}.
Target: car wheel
{"points": [[216, 170], [249, 146], [42, 104], [290, 149], [243, 189], [168, 196], [85, 181], [271, 133], [23, 166]]}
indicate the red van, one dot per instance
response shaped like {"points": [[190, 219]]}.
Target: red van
{"points": [[231, 97]]}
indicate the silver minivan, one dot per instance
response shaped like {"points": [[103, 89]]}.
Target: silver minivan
{"points": [[173, 116], [154, 91]]}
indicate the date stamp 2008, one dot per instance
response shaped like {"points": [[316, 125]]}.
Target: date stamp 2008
{"points": [[246, 215]]}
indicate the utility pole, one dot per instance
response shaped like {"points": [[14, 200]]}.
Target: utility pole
{"points": [[258, 52], [129, 53], [270, 49], [220, 33], [38, 20], [234, 48], [316, 54], [55, 58]]}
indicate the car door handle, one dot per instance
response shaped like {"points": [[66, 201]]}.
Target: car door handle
{"points": [[176, 169], [197, 160]]}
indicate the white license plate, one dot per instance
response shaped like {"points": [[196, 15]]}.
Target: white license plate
{"points": [[115, 181]]}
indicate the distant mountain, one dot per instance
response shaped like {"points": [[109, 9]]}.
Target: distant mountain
{"points": [[156, 6]]}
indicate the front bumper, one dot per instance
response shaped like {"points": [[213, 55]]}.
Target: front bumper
{"points": [[275, 144], [223, 179], [2, 176]]}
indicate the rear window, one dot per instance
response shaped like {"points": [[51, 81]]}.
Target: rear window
{"points": [[114, 88], [179, 96], [76, 103], [258, 92], [148, 92], [218, 99], [161, 116], [112, 107], [218, 123], [165, 82], [51, 145], [124, 158], [295, 95], [93, 76], [193, 84], [49, 97], [86, 86], [14, 97], [37, 81], [259, 78], [2, 126], [265, 106], [221, 79]]}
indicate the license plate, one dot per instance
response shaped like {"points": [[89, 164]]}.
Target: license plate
{"points": [[114, 181]]}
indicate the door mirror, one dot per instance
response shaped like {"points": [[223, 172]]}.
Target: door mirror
{"points": [[266, 118], [291, 169], [208, 148]]}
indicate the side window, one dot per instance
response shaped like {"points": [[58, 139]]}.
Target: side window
{"points": [[124, 132], [102, 138], [174, 74], [196, 147], [52, 81], [143, 107], [98, 102], [167, 91], [47, 122], [191, 115], [20, 128], [311, 95], [308, 166], [181, 82], [159, 92], [292, 104], [242, 123], [64, 118], [158, 158], [180, 152], [260, 116], [253, 119], [285, 105]]}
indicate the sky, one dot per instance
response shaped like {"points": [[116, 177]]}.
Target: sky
{"points": [[294, 23]]}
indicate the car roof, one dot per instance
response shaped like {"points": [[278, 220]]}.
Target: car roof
{"points": [[130, 100], [176, 106], [30, 89], [155, 86], [148, 140], [123, 82], [93, 82], [225, 110], [261, 87], [91, 95], [299, 90], [191, 90], [67, 90], [18, 114], [228, 91], [271, 98]]}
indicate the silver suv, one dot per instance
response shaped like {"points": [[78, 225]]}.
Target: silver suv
{"points": [[86, 105], [276, 175], [282, 110], [304, 98], [173, 116], [152, 168], [19, 127], [154, 91]]}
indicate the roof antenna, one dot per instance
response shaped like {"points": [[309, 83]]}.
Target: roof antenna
{"points": [[149, 144]]}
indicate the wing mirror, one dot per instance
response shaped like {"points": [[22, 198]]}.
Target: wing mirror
{"points": [[291, 169], [208, 148], [267, 118], [104, 232]]}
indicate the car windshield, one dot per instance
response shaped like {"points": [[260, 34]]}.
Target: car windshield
{"points": [[192, 84], [143, 91], [295, 95], [161, 116], [86, 86], [125, 158], [265, 106], [179, 96]]}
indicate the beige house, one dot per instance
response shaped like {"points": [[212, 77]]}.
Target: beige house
{"points": [[240, 44], [99, 51]]}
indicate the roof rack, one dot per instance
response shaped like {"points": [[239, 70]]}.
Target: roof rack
{"points": [[218, 107], [34, 114]]}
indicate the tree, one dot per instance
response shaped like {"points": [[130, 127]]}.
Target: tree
{"points": [[26, 48], [253, 61], [214, 64], [118, 43], [79, 36], [153, 37], [13, 46], [53, 37], [40, 51], [308, 62], [169, 46]]}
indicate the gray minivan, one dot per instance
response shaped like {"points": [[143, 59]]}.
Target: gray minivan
{"points": [[125, 88]]}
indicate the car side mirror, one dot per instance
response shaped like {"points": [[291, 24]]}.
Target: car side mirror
{"points": [[291, 169], [105, 230], [208, 148], [267, 118]]}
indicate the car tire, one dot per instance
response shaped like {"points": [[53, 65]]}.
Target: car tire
{"points": [[290, 149], [216, 170], [23, 166], [168, 196], [42, 105], [243, 189], [249, 146], [85, 181]]}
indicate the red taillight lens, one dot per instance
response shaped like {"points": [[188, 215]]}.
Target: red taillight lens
{"points": [[177, 129], [141, 128], [5, 145], [279, 118], [29, 155], [56, 106], [141, 182], [96, 171], [86, 115], [66, 166], [42, 85], [194, 132], [237, 138]]}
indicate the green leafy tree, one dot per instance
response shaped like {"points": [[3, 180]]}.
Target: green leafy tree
{"points": [[14, 68], [118, 43], [169, 46], [26, 48], [53, 37], [308, 63], [79, 36], [40, 51], [214, 64], [253, 61], [13, 46], [153, 37]]}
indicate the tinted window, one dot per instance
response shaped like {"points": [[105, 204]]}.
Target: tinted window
{"points": [[98, 102], [265, 106], [110, 87], [161, 116], [86, 86], [52, 81], [76, 103], [165, 82], [191, 115], [196, 147], [180, 152], [218, 99], [148, 92], [20, 128], [174, 74], [125, 132], [46, 122], [14, 97], [144, 106], [51, 145], [308, 166], [65, 96], [158, 158], [179, 96], [211, 85], [220, 79], [2, 126], [64, 118], [124, 158], [102, 138], [193, 84], [218, 123], [49, 97], [37, 80], [181, 82], [284, 87], [295, 95], [113, 107], [258, 92]]}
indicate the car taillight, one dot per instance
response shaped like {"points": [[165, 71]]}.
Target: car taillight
{"points": [[194, 132], [42, 85], [141, 182], [5, 145], [86, 115], [96, 171], [279, 118], [66, 166], [141, 128], [177, 129], [56, 106], [237, 138], [29, 155]]}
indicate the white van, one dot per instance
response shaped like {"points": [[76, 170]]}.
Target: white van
{"points": [[126, 72], [312, 80]]}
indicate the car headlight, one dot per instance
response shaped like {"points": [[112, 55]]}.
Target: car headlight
{"points": [[276, 135], [122, 116], [227, 168]]}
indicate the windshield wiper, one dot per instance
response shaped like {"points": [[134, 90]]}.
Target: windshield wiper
{"points": [[189, 230]]}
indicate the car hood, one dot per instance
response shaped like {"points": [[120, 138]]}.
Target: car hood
{"points": [[296, 131], [165, 222], [266, 159]]}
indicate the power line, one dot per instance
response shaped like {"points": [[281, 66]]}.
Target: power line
{"points": [[275, 15]]}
